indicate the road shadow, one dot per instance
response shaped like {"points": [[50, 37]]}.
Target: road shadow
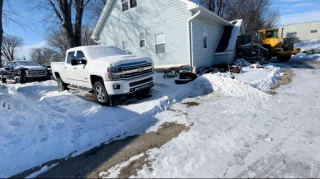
{"points": [[301, 63], [101, 158]]}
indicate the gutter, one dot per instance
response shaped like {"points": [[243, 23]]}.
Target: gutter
{"points": [[190, 42], [96, 32]]}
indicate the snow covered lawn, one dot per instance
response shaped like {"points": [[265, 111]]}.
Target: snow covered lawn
{"points": [[39, 123]]}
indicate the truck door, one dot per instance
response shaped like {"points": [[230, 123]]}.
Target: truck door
{"points": [[70, 70], [81, 72]]}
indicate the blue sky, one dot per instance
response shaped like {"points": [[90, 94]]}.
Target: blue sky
{"points": [[33, 33]]}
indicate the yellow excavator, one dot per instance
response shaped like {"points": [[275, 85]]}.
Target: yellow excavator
{"points": [[282, 48]]}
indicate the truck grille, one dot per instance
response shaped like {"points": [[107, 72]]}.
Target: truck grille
{"points": [[137, 70], [36, 73], [136, 83]]}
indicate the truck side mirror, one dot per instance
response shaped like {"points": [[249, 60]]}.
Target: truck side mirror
{"points": [[74, 62]]}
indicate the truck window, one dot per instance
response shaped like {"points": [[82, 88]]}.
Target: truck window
{"points": [[80, 55], [70, 56]]}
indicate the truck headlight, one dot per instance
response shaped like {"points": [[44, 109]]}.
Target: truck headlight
{"points": [[113, 76], [114, 70]]}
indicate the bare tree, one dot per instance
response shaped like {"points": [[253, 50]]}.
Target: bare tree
{"points": [[217, 6], [57, 39], [10, 44], [45, 55], [256, 14]]}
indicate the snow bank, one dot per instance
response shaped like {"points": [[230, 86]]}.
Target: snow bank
{"points": [[39, 124], [261, 78], [308, 45]]}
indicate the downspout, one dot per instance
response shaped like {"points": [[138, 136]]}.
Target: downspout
{"points": [[96, 32], [190, 42]]}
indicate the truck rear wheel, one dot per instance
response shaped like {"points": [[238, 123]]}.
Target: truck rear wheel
{"points": [[62, 86], [101, 93]]}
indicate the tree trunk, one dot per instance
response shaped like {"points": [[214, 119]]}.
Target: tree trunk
{"points": [[1, 31], [79, 13], [65, 8]]}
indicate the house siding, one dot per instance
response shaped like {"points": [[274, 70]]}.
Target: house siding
{"points": [[156, 16], [205, 56]]}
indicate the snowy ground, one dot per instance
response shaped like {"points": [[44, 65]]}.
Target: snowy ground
{"points": [[308, 45], [238, 129], [39, 123]]}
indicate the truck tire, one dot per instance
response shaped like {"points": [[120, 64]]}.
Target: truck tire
{"points": [[101, 93], [62, 86], [3, 80]]}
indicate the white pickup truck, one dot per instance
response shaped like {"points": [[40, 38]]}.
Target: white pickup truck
{"points": [[108, 71]]}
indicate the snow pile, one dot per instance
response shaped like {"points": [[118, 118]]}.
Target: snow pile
{"points": [[305, 57], [308, 45], [233, 87], [261, 78]]}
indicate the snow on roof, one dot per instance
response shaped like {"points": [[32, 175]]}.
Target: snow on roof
{"points": [[234, 34]]}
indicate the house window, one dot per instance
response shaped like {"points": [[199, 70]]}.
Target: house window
{"points": [[142, 39], [314, 31], [160, 43], [128, 4], [205, 38]]}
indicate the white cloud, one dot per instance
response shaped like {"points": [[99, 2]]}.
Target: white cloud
{"points": [[300, 17], [25, 51], [302, 4]]}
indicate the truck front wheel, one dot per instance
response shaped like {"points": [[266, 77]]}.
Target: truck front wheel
{"points": [[101, 93]]}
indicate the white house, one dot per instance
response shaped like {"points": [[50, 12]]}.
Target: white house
{"points": [[171, 32], [302, 31]]}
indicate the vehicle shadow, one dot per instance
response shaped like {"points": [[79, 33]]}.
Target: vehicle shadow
{"points": [[104, 156]]}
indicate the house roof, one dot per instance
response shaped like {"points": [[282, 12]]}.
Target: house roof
{"points": [[193, 7]]}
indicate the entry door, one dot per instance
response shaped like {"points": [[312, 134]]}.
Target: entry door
{"points": [[70, 70], [81, 71]]}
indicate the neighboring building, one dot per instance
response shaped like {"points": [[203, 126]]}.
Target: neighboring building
{"points": [[171, 32], [301, 31]]}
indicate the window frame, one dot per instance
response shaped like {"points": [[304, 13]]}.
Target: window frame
{"points": [[144, 39], [155, 43], [315, 31], [129, 5], [69, 62], [82, 53], [204, 38]]}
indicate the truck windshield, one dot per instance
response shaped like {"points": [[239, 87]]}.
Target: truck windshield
{"points": [[271, 34], [27, 63], [104, 51]]}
